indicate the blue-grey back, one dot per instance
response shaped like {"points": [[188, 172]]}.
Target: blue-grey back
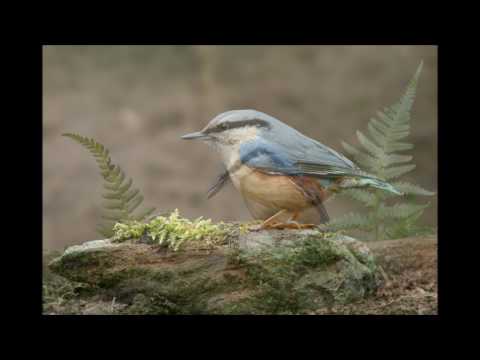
{"points": [[281, 146]]}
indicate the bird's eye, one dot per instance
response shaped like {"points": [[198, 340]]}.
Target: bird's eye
{"points": [[222, 127]]}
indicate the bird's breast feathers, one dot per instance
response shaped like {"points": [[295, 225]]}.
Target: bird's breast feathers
{"points": [[276, 191]]}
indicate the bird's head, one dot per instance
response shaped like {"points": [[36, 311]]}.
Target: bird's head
{"points": [[232, 128]]}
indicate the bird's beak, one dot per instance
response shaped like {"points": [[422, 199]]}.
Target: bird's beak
{"points": [[196, 135]]}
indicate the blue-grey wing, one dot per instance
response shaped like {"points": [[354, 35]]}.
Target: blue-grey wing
{"points": [[265, 156], [304, 157]]}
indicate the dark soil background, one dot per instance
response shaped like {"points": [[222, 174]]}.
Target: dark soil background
{"points": [[139, 100]]}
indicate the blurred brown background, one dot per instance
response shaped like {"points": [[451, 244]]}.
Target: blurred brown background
{"points": [[138, 101]]}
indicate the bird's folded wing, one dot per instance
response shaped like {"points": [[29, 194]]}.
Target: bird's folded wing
{"points": [[317, 161], [316, 169]]}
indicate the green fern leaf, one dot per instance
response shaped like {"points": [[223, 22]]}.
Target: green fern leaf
{"points": [[363, 160], [407, 227], [394, 172], [120, 178], [397, 146], [114, 215], [350, 221], [113, 175], [134, 203], [113, 204], [129, 195], [122, 189], [121, 201], [376, 135], [378, 154], [368, 145], [103, 166], [112, 196], [398, 134], [351, 150], [396, 116], [144, 214], [109, 186], [411, 189], [367, 198], [380, 126], [399, 211], [395, 159]]}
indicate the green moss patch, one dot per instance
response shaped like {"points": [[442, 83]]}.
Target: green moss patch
{"points": [[297, 278], [266, 272], [173, 231]]}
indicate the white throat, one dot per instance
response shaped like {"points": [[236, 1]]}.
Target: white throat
{"points": [[229, 142]]}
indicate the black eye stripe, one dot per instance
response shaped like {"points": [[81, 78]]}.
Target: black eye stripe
{"points": [[238, 124]]}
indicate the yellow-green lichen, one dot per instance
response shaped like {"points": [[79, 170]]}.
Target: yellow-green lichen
{"points": [[173, 231]]}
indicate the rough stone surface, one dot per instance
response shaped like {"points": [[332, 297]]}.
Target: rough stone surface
{"points": [[259, 272]]}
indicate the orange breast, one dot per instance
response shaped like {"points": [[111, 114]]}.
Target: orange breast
{"points": [[274, 191]]}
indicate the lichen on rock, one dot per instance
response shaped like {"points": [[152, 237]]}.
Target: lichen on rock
{"points": [[315, 270], [254, 272]]}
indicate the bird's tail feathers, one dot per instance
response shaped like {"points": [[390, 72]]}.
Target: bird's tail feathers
{"points": [[369, 181]]}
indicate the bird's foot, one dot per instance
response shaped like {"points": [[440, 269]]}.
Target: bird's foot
{"points": [[292, 225], [283, 225]]}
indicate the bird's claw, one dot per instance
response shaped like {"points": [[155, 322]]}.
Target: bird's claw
{"points": [[283, 225]]}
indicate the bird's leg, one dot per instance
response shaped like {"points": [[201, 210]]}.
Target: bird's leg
{"points": [[290, 223], [293, 224], [300, 226], [294, 216], [270, 222]]}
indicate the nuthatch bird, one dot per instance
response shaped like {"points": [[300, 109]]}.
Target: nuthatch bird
{"points": [[281, 173]]}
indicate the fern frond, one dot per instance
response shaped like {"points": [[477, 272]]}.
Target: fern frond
{"points": [[364, 160], [114, 215], [112, 204], [399, 211], [368, 145], [411, 189], [397, 146], [112, 196], [121, 201], [350, 221], [134, 203], [367, 198], [113, 175], [407, 227], [122, 189], [144, 214], [380, 126], [395, 159], [394, 172], [392, 125], [111, 187], [130, 194], [377, 135], [377, 154], [351, 150]]}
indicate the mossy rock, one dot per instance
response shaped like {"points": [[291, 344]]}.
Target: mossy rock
{"points": [[257, 272]]}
